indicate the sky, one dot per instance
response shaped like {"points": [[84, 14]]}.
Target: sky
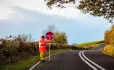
{"points": [[32, 16]]}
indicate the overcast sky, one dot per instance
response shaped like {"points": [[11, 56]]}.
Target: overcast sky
{"points": [[32, 16]]}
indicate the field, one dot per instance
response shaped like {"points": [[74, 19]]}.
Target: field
{"points": [[90, 45]]}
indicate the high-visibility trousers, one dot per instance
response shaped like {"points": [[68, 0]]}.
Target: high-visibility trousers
{"points": [[42, 54]]}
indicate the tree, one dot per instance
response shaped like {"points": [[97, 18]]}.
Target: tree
{"points": [[59, 37], [58, 3], [51, 28], [23, 37], [112, 36], [100, 8], [107, 37]]}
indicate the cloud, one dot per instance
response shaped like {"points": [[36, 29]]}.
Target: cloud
{"points": [[34, 22], [40, 6], [5, 8], [22, 14]]}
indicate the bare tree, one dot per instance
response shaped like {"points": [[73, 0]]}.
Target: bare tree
{"points": [[51, 28]]}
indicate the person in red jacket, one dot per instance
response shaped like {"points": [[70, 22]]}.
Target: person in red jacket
{"points": [[42, 47]]}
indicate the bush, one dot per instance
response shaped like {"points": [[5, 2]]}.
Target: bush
{"points": [[12, 51], [109, 50]]}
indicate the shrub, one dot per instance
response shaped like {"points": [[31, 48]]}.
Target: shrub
{"points": [[109, 50], [14, 50]]}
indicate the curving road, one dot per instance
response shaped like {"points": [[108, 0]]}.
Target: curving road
{"points": [[78, 60]]}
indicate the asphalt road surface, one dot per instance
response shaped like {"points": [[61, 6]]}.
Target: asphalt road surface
{"points": [[78, 60]]}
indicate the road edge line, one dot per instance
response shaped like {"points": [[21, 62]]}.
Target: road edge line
{"points": [[44, 59]]}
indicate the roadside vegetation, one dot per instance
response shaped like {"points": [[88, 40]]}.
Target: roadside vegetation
{"points": [[26, 64], [109, 41], [90, 45]]}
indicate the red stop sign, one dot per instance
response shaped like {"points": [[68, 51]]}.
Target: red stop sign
{"points": [[49, 35]]}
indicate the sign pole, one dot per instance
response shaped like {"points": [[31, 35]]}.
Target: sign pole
{"points": [[49, 51]]}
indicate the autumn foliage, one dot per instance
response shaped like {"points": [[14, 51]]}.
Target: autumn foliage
{"points": [[109, 41], [109, 36]]}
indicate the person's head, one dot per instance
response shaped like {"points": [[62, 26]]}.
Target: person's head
{"points": [[43, 37]]}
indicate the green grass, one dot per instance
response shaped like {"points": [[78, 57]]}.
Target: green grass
{"points": [[26, 64], [94, 44]]}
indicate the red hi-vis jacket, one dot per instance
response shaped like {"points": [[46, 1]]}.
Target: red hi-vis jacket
{"points": [[42, 45]]}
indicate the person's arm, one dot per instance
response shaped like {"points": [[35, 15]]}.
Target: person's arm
{"points": [[47, 41]]}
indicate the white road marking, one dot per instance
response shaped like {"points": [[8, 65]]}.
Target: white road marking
{"points": [[40, 61], [90, 61], [87, 62], [100, 49]]}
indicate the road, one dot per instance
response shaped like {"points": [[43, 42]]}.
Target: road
{"points": [[78, 60]]}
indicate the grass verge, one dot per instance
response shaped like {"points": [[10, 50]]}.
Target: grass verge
{"points": [[94, 44]]}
